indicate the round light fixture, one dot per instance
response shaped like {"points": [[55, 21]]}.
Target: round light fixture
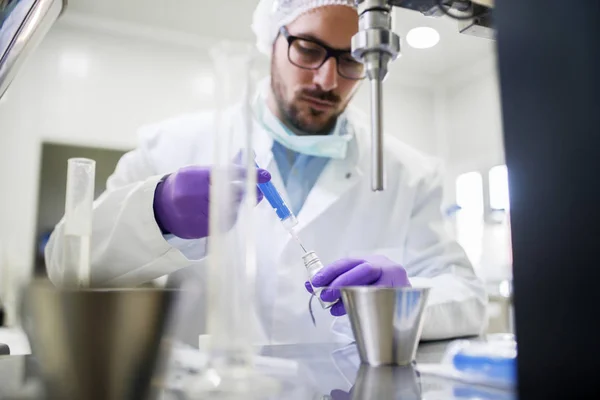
{"points": [[423, 37]]}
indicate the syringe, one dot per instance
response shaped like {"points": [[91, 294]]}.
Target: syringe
{"points": [[285, 215], [312, 263]]}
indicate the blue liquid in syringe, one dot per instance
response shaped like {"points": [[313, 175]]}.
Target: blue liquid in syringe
{"points": [[275, 200], [284, 213]]}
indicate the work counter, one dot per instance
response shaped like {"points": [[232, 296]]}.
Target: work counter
{"points": [[311, 371]]}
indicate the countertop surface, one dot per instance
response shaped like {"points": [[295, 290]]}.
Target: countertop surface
{"points": [[306, 371]]}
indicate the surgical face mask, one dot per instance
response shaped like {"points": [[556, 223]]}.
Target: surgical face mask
{"points": [[334, 145]]}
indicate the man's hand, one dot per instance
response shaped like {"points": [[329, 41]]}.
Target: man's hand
{"points": [[181, 201], [368, 271]]}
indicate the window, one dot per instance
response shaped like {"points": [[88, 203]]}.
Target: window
{"points": [[469, 193], [469, 220], [499, 195]]}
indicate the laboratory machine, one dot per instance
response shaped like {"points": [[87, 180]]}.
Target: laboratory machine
{"points": [[376, 45]]}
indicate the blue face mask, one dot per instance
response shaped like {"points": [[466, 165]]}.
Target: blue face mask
{"points": [[334, 145]]}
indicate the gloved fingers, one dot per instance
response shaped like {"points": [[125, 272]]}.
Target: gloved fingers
{"points": [[198, 174], [191, 178], [308, 287], [237, 191], [237, 188], [204, 206], [338, 309], [240, 159], [239, 174], [259, 195], [338, 394], [187, 198], [333, 270], [264, 176], [363, 274], [399, 278]]}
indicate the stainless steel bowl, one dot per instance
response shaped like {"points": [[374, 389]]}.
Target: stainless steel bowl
{"points": [[386, 322], [98, 344]]}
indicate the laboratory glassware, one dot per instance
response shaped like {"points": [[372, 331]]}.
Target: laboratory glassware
{"points": [[231, 249], [313, 266], [77, 231]]}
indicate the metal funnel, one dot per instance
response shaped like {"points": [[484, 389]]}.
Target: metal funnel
{"points": [[98, 344], [386, 322]]}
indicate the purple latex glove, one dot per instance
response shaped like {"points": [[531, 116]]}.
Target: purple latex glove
{"points": [[338, 394], [368, 271], [181, 201]]}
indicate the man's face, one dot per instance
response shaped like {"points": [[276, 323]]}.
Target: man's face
{"points": [[310, 100]]}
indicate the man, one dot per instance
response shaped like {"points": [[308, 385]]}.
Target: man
{"points": [[152, 220]]}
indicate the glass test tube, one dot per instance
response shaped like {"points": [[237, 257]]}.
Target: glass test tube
{"points": [[77, 229]]}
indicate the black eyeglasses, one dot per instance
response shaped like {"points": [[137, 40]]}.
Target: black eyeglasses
{"points": [[311, 54]]}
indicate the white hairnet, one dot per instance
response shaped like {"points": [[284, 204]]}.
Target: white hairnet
{"points": [[271, 15]]}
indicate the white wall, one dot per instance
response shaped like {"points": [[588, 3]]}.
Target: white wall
{"points": [[469, 127], [471, 117], [89, 89], [409, 113], [95, 87], [475, 128]]}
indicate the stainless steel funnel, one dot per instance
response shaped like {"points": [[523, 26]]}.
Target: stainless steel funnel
{"points": [[98, 344], [386, 322]]}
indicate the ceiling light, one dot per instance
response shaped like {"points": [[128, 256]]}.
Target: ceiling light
{"points": [[423, 37]]}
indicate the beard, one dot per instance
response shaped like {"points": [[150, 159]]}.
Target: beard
{"points": [[307, 121]]}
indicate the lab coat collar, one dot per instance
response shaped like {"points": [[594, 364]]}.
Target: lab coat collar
{"points": [[337, 178]]}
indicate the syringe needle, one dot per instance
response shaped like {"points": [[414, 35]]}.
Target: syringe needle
{"points": [[293, 233]]}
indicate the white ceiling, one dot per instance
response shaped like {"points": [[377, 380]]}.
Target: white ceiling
{"points": [[205, 18]]}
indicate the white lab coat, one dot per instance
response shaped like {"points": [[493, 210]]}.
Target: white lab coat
{"points": [[341, 217]]}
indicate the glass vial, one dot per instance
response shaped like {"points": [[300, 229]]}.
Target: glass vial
{"points": [[313, 265]]}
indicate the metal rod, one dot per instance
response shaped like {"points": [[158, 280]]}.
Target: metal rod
{"points": [[377, 170]]}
